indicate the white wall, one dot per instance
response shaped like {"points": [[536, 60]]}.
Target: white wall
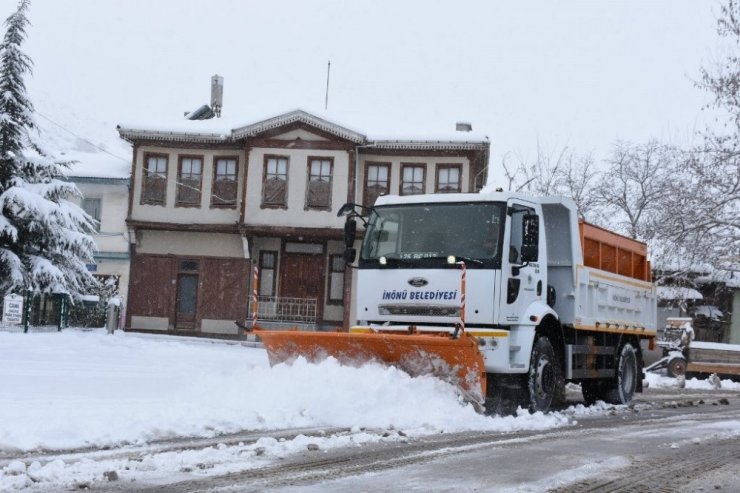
{"points": [[114, 206], [113, 235], [190, 243]]}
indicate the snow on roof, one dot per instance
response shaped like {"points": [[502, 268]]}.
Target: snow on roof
{"points": [[728, 278], [709, 311], [303, 117], [429, 142], [226, 129], [67, 135], [96, 165], [670, 293], [718, 346]]}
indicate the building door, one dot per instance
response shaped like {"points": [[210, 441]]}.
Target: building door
{"points": [[187, 294], [302, 276]]}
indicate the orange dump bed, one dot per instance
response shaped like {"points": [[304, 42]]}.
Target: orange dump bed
{"points": [[612, 252]]}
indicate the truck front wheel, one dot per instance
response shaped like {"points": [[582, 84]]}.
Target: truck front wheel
{"points": [[545, 382], [625, 381]]}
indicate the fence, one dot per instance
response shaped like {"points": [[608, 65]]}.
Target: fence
{"points": [[282, 309], [42, 312]]}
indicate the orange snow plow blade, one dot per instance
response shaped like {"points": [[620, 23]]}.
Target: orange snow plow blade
{"points": [[457, 361]]}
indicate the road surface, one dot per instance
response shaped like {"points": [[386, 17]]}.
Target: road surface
{"points": [[668, 441]]}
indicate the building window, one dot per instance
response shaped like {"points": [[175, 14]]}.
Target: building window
{"points": [[318, 194], [275, 184], [336, 279], [154, 186], [223, 193], [376, 182], [268, 265], [448, 178], [189, 180], [412, 179], [92, 207]]}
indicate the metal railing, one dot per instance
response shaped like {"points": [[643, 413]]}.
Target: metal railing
{"points": [[282, 309]]}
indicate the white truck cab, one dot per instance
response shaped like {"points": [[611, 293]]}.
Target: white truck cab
{"points": [[509, 269]]}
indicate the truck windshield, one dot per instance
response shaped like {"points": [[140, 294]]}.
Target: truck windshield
{"points": [[424, 235]]}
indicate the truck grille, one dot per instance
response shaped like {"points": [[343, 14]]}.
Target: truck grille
{"points": [[420, 310]]}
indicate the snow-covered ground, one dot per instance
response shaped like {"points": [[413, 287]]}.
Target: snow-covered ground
{"points": [[76, 389]]}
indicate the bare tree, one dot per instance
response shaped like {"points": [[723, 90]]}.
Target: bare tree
{"points": [[638, 180], [578, 180], [715, 167], [558, 172]]}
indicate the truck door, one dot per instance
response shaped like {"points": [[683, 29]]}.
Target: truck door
{"points": [[522, 282]]}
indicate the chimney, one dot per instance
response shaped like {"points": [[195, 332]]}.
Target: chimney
{"points": [[463, 127], [217, 94]]}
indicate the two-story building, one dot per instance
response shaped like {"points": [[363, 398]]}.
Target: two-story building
{"points": [[212, 208], [104, 185]]}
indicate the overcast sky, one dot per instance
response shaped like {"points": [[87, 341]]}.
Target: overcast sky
{"points": [[576, 73]]}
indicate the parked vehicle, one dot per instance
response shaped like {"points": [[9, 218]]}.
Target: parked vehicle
{"points": [[506, 295], [683, 355]]}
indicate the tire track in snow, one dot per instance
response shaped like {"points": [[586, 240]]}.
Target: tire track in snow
{"points": [[308, 469], [663, 474]]}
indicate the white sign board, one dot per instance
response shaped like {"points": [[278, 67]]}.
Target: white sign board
{"points": [[13, 309]]}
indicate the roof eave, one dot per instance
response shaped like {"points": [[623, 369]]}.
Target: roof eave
{"points": [[431, 145], [131, 135]]}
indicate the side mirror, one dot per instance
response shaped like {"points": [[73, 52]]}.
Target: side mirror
{"points": [[346, 209], [530, 238], [349, 255], [350, 232]]}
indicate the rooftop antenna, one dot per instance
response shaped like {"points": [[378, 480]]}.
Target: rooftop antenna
{"points": [[328, 71]]}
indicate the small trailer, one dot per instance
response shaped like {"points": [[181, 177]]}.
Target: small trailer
{"points": [[682, 354]]}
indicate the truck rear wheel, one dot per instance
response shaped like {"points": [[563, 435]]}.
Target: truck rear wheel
{"points": [[545, 382], [623, 386]]}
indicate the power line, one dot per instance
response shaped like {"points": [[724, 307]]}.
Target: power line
{"points": [[127, 161]]}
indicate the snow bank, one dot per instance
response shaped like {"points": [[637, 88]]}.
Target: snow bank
{"points": [[75, 389], [657, 381]]}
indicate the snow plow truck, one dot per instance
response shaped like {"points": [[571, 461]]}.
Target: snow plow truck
{"points": [[505, 295]]}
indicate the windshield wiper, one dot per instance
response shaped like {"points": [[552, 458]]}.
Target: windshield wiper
{"points": [[469, 260], [413, 260], [390, 261]]}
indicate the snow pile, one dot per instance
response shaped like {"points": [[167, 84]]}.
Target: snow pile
{"points": [[76, 389], [657, 381]]}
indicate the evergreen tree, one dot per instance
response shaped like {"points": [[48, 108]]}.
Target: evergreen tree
{"points": [[44, 243]]}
